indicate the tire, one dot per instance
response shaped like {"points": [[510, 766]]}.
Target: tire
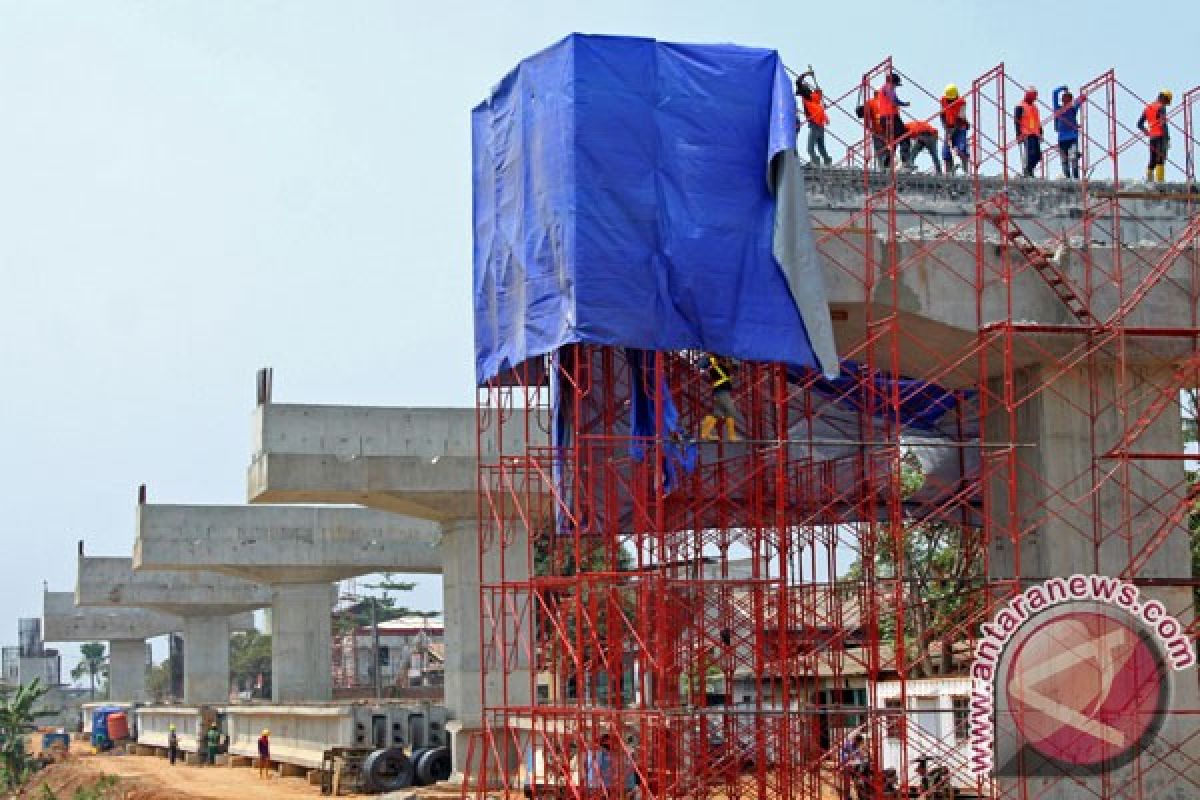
{"points": [[434, 766], [387, 770], [416, 757]]}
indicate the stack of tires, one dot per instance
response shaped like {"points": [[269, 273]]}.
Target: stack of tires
{"points": [[392, 769]]}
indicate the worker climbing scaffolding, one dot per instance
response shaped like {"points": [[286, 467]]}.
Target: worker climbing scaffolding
{"points": [[719, 373]]}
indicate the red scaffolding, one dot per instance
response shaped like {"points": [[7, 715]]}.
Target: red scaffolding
{"points": [[697, 618]]}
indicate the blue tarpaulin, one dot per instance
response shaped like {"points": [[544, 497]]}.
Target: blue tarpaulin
{"points": [[625, 193]]}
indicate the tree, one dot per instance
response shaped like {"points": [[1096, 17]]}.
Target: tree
{"points": [[249, 657], [939, 565], [16, 719], [93, 663], [158, 682], [1190, 408]]}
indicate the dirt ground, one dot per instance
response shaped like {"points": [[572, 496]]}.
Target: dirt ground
{"points": [[153, 778]]}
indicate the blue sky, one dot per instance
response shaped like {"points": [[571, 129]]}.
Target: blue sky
{"points": [[191, 190]]}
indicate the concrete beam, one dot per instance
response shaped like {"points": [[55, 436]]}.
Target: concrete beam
{"points": [[283, 544], [112, 582], [63, 621], [420, 462]]}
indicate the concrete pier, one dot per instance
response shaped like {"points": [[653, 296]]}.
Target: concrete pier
{"points": [[298, 552], [204, 601], [422, 462], [124, 629]]}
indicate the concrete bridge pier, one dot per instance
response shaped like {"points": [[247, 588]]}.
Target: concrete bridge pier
{"points": [[296, 554], [127, 665], [124, 629], [301, 633]]}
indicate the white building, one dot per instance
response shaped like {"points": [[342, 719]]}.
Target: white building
{"points": [[412, 653]]}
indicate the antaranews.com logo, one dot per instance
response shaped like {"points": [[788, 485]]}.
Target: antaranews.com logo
{"points": [[1072, 675]]}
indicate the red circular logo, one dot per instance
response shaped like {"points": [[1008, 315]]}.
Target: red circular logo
{"points": [[1085, 688]]}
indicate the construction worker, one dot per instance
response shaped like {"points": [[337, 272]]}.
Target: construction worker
{"points": [[212, 740], [172, 745], [1153, 123], [264, 755], [889, 113], [1029, 131], [1066, 125], [922, 136], [813, 100], [852, 764], [868, 112], [719, 372], [955, 125]]}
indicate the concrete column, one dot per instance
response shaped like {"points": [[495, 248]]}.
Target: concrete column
{"points": [[301, 643], [206, 659], [466, 691], [127, 671], [1054, 524]]}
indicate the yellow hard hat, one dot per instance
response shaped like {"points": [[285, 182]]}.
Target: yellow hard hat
{"points": [[266, 732], [171, 727], [952, 91], [1167, 94]]}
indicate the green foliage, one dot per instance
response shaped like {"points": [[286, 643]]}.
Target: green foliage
{"points": [[94, 662], [158, 682], [249, 657], [17, 711], [941, 567], [103, 789], [1190, 408]]}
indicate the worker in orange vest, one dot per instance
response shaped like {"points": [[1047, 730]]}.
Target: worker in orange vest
{"points": [[1029, 131], [955, 125], [813, 100], [868, 112], [922, 136], [889, 113], [1153, 123]]}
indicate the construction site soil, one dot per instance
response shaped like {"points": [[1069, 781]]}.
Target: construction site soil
{"points": [[151, 778]]}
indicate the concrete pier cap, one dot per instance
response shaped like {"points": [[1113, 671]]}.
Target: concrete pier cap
{"points": [[210, 605], [421, 462], [124, 629], [299, 552]]}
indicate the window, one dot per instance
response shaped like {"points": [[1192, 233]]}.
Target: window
{"points": [[384, 655], [962, 717], [893, 717]]}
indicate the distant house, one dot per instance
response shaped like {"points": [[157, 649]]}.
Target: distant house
{"points": [[412, 653]]}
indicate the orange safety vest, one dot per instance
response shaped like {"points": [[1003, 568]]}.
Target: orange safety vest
{"points": [[918, 127], [814, 109], [1155, 119], [1031, 123], [952, 112], [884, 104]]}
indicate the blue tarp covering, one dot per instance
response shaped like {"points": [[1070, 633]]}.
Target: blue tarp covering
{"points": [[624, 195]]}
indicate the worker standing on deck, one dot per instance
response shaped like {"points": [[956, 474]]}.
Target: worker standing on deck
{"points": [[868, 112], [955, 125], [172, 745], [923, 136], [1153, 123], [719, 372], [1066, 125], [893, 125], [264, 755], [1028, 123], [212, 740], [813, 100]]}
